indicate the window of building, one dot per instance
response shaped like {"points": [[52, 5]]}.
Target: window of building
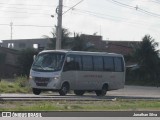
{"points": [[35, 46], [10, 45]]}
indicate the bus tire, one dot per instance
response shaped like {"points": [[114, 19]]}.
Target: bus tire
{"points": [[103, 91], [64, 89], [79, 92], [36, 91]]}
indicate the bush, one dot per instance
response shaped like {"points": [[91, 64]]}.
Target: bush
{"points": [[25, 61]]}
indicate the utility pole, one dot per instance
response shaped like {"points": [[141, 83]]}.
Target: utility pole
{"points": [[11, 24], [59, 25]]}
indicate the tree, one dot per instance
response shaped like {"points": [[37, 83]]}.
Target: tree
{"points": [[65, 38], [25, 61], [2, 62], [78, 43], [148, 59]]}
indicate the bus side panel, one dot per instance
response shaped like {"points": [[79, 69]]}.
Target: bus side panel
{"points": [[82, 80], [70, 77], [89, 80], [117, 81]]}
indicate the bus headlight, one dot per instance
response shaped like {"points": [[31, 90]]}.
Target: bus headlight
{"points": [[55, 78]]}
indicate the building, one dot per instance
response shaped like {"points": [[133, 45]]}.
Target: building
{"points": [[19, 44], [121, 47], [8, 62], [94, 41]]}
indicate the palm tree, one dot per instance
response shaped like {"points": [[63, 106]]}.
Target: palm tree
{"points": [[80, 44], [65, 38]]}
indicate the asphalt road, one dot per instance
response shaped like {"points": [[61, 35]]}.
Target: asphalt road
{"points": [[129, 92]]}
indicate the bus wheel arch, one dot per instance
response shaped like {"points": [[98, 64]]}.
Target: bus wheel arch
{"points": [[103, 90], [64, 88]]}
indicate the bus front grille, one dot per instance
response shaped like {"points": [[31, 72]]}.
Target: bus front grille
{"points": [[41, 81]]}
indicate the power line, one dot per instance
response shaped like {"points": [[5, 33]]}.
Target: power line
{"points": [[23, 12], [23, 8], [113, 18], [73, 7], [156, 1], [135, 8], [27, 4], [5, 24], [33, 26], [102, 15], [27, 25]]}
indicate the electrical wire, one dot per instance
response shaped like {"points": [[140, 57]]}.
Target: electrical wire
{"points": [[27, 25], [33, 26], [22, 8], [156, 1], [140, 24], [27, 5], [135, 8], [24, 12], [72, 7]]}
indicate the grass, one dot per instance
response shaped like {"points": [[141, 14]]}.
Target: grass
{"points": [[19, 86], [119, 105]]}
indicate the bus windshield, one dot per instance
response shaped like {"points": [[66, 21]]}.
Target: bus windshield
{"points": [[48, 62]]}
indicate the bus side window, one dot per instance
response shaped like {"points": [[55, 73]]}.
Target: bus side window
{"points": [[108, 64], [78, 63], [118, 64], [87, 63], [68, 66], [98, 63]]}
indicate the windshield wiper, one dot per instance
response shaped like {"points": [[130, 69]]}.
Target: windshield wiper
{"points": [[38, 66]]}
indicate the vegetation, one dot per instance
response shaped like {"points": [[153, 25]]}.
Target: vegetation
{"points": [[2, 61], [25, 61], [65, 38], [20, 85], [76, 43], [148, 61], [125, 105], [2, 58]]}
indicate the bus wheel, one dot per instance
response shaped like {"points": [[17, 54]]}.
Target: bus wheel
{"points": [[79, 92], [103, 91], [64, 89], [36, 91]]}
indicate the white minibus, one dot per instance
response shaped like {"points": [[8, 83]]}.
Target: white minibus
{"points": [[61, 71]]}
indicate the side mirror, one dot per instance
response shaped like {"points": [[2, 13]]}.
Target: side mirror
{"points": [[68, 59], [34, 57]]}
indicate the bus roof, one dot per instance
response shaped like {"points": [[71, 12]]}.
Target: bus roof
{"points": [[81, 52]]}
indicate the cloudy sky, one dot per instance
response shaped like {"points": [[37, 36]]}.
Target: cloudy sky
{"points": [[113, 19]]}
